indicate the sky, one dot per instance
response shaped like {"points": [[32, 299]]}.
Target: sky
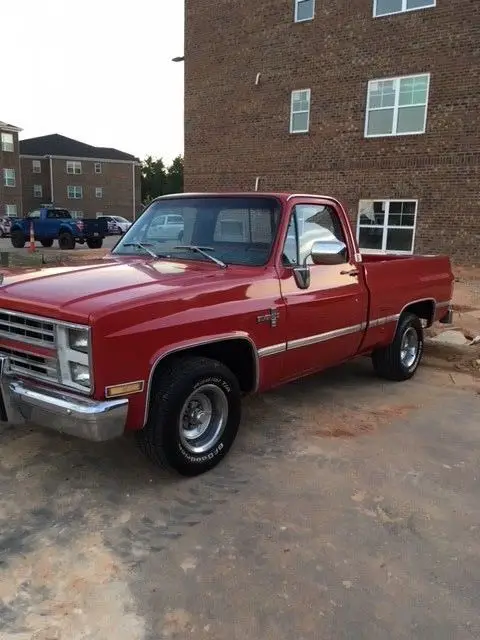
{"points": [[99, 71]]}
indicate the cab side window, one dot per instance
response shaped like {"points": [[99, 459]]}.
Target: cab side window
{"points": [[310, 223]]}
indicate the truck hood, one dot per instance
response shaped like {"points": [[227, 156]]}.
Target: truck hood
{"points": [[81, 293]]}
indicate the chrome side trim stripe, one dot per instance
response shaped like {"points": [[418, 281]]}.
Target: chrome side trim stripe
{"points": [[381, 321], [324, 337], [275, 349], [272, 350]]}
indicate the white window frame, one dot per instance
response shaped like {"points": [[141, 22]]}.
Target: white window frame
{"points": [[99, 192], [8, 213], [37, 191], [8, 147], [6, 180], [73, 190], [396, 107], [385, 227], [98, 168], [292, 113], [77, 215], [404, 9], [297, 4], [36, 166], [74, 167]]}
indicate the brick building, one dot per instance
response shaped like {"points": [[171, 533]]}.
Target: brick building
{"points": [[86, 180], [10, 176], [376, 102]]}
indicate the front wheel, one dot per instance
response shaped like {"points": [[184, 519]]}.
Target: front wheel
{"points": [[18, 239], [400, 360], [94, 243], [194, 416], [47, 243]]}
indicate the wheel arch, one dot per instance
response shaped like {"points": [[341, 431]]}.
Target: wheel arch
{"points": [[424, 309], [238, 352]]}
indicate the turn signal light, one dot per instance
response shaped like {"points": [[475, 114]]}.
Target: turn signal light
{"points": [[124, 389]]}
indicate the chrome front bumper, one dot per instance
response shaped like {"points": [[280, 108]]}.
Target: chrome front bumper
{"points": [[24, 402]]}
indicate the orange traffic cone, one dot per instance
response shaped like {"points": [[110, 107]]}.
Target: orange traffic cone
{"points": [[31, 248]]}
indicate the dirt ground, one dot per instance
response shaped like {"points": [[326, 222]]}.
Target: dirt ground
{"points": [[348, 509]]}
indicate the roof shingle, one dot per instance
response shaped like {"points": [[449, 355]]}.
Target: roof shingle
{"points": [[57, 145]]}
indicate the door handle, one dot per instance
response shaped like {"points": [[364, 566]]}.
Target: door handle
{"points": [[352, 272]]}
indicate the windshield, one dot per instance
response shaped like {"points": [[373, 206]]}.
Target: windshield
{"points": [[235, 230]]}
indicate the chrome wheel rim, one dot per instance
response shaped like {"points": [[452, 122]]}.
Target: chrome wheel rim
{"points": [[203, 418], [409, 348]]}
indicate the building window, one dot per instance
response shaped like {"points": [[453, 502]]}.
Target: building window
{"points": [[397, 106], [37, 191], [387, 225], [7, 142], [300, 111], [36, 166], [99, 192], [389, 7], [74, 167], [9, 177], [76, 214], [304, 10], [98, 167], [74, 192], [11, 210]]}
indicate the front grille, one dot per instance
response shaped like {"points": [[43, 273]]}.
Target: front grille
{"points": [[17, 326], [30, 365]]}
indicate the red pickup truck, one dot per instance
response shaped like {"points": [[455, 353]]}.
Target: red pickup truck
{"points": [[165, 334]]}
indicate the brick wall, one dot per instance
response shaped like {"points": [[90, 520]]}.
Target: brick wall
{"points": [[236, 131], [115, 180]]}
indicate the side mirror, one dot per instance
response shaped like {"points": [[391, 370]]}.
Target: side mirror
{"points": [[330, 252]]}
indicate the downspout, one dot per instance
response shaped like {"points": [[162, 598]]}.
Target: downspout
{"points": [[133, 197], [52, 197]]}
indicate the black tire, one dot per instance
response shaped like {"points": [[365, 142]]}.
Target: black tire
{"points": [[94, 243], [47, 243], [180, 236], [164, 440], [18, 239], [66, 241], [389, 363]]}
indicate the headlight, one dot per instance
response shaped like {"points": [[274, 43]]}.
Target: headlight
{"points": [[73, 351], [80, 374], [78, 340]]}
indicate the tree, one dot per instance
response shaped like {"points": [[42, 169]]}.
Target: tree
{"points": [[175, 176], [158, 180]]}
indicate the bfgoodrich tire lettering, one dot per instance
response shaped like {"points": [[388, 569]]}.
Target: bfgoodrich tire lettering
{"points": [[194, 416], [400, 360]]}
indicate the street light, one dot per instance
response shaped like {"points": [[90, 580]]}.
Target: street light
{"points": [[178, 59]]}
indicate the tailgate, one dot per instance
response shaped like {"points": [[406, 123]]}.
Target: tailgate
{"points": [[94, 227]]}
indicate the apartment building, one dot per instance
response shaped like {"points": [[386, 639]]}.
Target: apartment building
{"points": [[87, 180], [373, 101], [10, 175]]}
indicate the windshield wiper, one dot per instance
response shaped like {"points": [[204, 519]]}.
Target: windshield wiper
{"points": [[203, 252], [142, 246]]}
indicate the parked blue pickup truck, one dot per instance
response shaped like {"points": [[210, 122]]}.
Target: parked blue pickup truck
{"points": [[52, 223]]}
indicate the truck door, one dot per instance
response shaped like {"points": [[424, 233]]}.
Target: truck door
{"points": [[326, 320], [34, 216]]}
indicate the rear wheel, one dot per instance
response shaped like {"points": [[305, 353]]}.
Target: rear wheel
{"points": [[46, 243], [18, 239], [66, 241], [400, 360], [94, 243], [194, 416]]}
